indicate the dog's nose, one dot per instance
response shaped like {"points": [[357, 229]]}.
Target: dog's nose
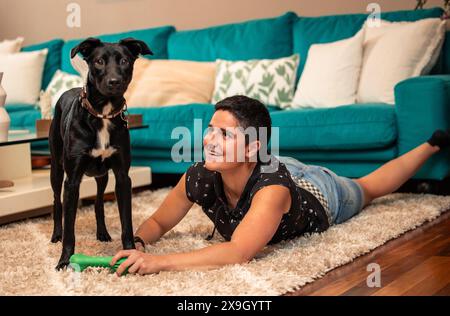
{"points": [[113, 82]]}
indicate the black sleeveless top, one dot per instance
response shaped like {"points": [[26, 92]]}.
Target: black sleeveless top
{"points": [[205, 188]]}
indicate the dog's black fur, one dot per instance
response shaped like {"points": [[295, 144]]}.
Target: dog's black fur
{"points": [[74, 133]]}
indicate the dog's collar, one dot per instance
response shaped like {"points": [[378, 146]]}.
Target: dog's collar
{"points": [[88, 106]]}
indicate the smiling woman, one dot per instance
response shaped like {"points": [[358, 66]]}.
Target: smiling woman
{"points": [[248, 205], [254, 203]]}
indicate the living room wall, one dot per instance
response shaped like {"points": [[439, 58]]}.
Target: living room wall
{"points": [[46, 19]]}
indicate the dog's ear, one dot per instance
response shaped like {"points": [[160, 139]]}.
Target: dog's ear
{"points": [[85, 47], [136, 47]]}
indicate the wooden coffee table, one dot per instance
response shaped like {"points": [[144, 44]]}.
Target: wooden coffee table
{"points": [[25, 192]]}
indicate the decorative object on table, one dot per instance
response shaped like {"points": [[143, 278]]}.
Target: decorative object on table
{"points": [[40, 161], [6, 184], [43, 127], [4, 117], [135, 120]]}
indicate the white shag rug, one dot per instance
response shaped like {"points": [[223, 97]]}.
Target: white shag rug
{"points": [[27, 258]]}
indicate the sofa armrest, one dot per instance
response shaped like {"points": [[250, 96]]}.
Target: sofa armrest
{"points": [[422, 106]]}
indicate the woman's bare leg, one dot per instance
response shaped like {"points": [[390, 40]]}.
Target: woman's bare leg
{"points": [[390, 176]]}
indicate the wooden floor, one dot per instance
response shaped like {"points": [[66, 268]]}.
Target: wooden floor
{"points": [[416, 263]]}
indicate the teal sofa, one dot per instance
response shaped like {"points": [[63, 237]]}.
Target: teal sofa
{"points": [[351, 140]]}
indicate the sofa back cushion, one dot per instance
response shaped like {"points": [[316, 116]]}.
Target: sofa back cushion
{"points": [[257, 39], [326, 29], [155, 38], [53, 61]]}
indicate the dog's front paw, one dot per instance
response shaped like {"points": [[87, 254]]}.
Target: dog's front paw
{"points": [[64, 260], [62, 264], [103, 236], [57, 236]]}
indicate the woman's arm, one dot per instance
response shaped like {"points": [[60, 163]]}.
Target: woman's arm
{"points": [[171, 211], [251, 236]]}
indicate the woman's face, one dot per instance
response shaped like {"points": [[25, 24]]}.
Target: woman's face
{"points": [[224, 143]]}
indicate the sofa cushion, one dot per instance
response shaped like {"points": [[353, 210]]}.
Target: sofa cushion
{"points": [[379, 154], [53, 61], [369, 127], [155, 38], [350, 127], [162, 120], [17, 107], [23, 116], [256, 39], [325, 29]]}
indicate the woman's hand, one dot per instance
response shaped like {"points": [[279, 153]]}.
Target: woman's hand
{"points": [[137, 262]]}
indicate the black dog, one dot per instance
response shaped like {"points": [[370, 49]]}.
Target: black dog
{"points": [[89, 135]]}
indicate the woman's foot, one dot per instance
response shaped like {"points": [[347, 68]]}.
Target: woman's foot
{"points": [[440, 138]]}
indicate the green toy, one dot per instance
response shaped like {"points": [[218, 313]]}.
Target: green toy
{"points": [[79, 262]]}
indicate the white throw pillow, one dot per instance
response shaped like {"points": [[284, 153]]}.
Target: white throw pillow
{"points": [[22, 77], [396, 51], [11, 46], [60, 83], [331, 74], [271, 81]]}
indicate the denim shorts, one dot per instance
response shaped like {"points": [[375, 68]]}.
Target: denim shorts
{"points": [[345, 196]]}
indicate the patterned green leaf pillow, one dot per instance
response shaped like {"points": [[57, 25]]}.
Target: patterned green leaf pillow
{"points": [[271, 81], [60, 83]]}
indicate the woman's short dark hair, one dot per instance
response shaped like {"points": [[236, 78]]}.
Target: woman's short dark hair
{"points": [[249, 113]]}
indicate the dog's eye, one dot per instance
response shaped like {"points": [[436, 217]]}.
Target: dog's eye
{"points": [[124, 61], [100, 62]]}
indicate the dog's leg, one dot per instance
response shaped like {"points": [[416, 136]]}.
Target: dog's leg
{"points": [[123, 197], [102, 232], [74, 171], [56, 178], [56, 175]]}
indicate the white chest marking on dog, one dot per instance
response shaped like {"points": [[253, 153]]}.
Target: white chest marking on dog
{"points": [[103, 149]]}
